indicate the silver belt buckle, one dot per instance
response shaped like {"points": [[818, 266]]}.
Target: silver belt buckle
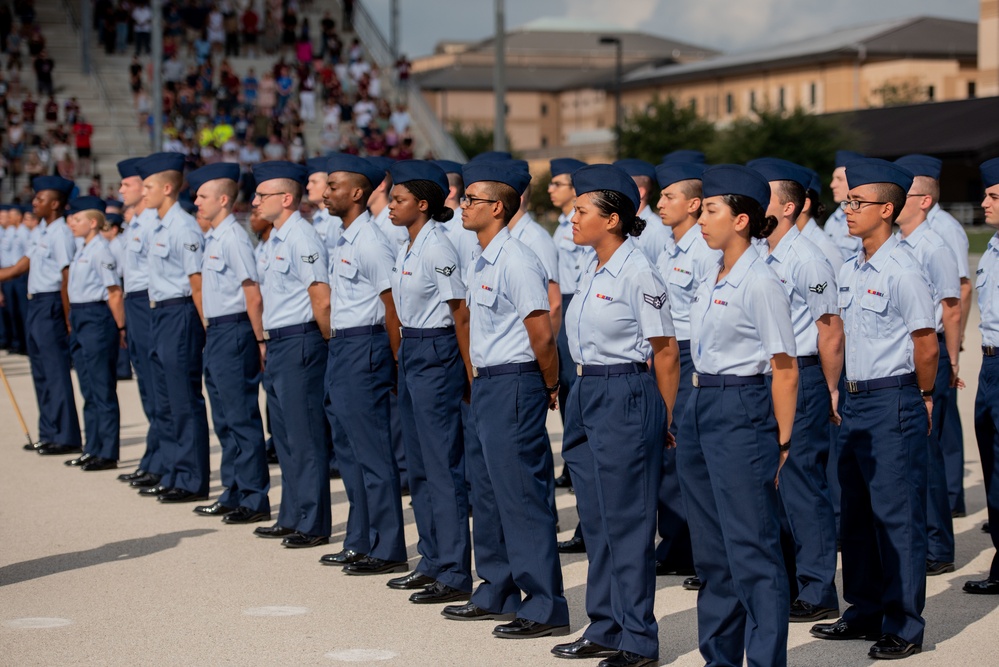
{"points": [[695, 380], [579, 370], [475, 371], [152, 304], [332, 332], [267, 335], [851, 387]]}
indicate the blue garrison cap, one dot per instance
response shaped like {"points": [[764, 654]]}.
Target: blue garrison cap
{"points": [[990, 172], [116, 219], [381, 161], [159, 162], [734, 179], [316, 165], [684, 155], [921, 165], [86, 203], [449, 166], [186, 201], [58, 183], [842, 157], [635, 167], [114, 203], [492, 156], [606, 177], [7, 207], [212, 172], [669, 173], [518, 164], [419, 170], [27, 208], [816, 182], [775, 169], [355, 165], [565, 165], [873, 170], [126, 168], [268, 171], [497, 172]]}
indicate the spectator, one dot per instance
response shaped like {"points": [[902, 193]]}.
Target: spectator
{"points": [[33, 166], [289, 25], [66, 167], [307, 94], [43, 73], [202, 48], [216, 29], [230, 23], [82, 130], [364, 113], [51, 111], [36, 42], [274, 149], [402, 70], [71, 109], [29, 111], [194, 17], [284, 89], [251, 28], [14, 43], [142, 27], [173, 70], [303, 48], [267, 95], [6, 24], [135, 79], [121, 18], [400, 119]]}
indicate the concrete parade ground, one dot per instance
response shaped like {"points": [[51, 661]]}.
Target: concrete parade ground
{"points": [[92, 574]]}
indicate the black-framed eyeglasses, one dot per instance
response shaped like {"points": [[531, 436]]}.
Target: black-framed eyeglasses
{"points": [[471, 201], [265, 195], [856, 204]]}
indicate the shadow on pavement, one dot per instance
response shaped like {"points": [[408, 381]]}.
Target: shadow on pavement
{"points": [[76, 560]]}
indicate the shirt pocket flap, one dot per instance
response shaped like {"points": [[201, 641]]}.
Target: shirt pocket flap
{"points": [[981, 279], [279, 264], [215, 263], [845, 298], [346, 268], [876, 303], [485, 297], [135, 244], [681, 277], [160, 250]]}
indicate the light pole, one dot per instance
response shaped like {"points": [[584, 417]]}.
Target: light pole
{"points": [[618, 75], [499, 79]]}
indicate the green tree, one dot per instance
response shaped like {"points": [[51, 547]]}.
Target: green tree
{"points": [[475, 140], [662, 127]]}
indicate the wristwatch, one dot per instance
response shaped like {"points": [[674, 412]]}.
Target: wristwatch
{"points": [[785, 447], [927, 393]]}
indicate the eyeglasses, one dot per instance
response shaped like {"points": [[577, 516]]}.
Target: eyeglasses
{"points": [[553, 185], [855, 204], [907, 196], [467, 201], [265, 195]]}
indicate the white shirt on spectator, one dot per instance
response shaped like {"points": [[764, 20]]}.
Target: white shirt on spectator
{"points": [[358, 69], [364, 111], [143, 18], [400, 121]]}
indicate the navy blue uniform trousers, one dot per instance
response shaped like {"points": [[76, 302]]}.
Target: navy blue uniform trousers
{"points": [[123, 368], [293, 376], [882, 471], [987, 434], [139, 322], [359, 400], [176, 358], [804, 493], [674, 547], [98, 342], [509, 414], [48, 354], [951, 444], [566, 366], [727, 458], [431, 385], [15, 292], [615, 428], [232, 378], [939, 522]]}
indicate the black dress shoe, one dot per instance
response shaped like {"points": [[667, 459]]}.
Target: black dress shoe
{"points": [[572, 546], [893, 647], [79, 460], [34, 446], [181, 496], [954, 514], [243, 515], [692, 584], [844, 630], [369, 565], [472, 612], [522, 628], [582, 648], [146, 481], [936, 567], [335, 474], [410, 582], [272, 532], [563, 481], [437, 593], [627, 659], [344, 557], [52, 449], [803, 612], [130, 476], [983, 587], [153, 491], [664, 569], [97, 463], [303, 541], [985, 527], [215, 509], [272, 458]]}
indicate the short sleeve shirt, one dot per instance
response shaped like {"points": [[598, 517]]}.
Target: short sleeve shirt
{"points": [[292, 260], [573, 260], [837, 230], [228, 263], [684, 266], [814, 233], [534, 236], [953, 234], [175, 254], [92, 272], [424, 278], [656, 238], [464, 240], [53, 252], [137, 240], [360, 267], [938, 264], [987, 284]]}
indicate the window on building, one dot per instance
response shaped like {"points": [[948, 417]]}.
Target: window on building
{"points": [[544, 109], [544, 142], [729, 104], [971, 90], [693, 104], [813, 95], [752, 100], [930, 93], [780, 98]]}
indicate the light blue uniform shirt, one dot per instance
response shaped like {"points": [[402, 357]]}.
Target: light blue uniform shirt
{"points": [[938, 265], [814, 233], [573, 260], [506, 283], [953, 234], [837, 230], [292, 259], [7, 237], [23, 240], [92, 272], [424, 278], [810, 284], [329, 228], [684, 266], [465, 241], [175, 253], [137, 240], [739, 323], [228, 262], [53, 252], [359, 272], [617, 309], [534, 236], [398, 236], [987, 284], [657, 238], [117, 248], [882, 301]]}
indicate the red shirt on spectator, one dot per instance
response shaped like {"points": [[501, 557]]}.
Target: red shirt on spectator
{"points": [[52, 111], [82, 131], [250, 22], [28, 109]]}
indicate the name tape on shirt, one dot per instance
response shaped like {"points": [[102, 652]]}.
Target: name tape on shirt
{"points": [[656, 301]]}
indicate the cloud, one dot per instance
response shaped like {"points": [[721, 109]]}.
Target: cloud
{"points": [[638, 11]]}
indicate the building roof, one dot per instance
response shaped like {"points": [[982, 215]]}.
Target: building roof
{"points": [[925, 37], [525, 79]]}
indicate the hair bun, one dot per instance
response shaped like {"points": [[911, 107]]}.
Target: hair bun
{"points": [[445, 214], [638, 226]]}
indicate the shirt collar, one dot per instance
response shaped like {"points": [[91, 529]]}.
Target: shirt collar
{"points": [[492, 251], [741, 268], [565, 219], [171, 214], [811, 226], [994, 243], [620, 256], [217, 232], [350, 233], [780, 252], [915, 236], [687, 240], [282, 234], [421, 238], [881, 256]]}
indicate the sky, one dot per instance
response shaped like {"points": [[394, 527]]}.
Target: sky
{"points": [[747, 24]]}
